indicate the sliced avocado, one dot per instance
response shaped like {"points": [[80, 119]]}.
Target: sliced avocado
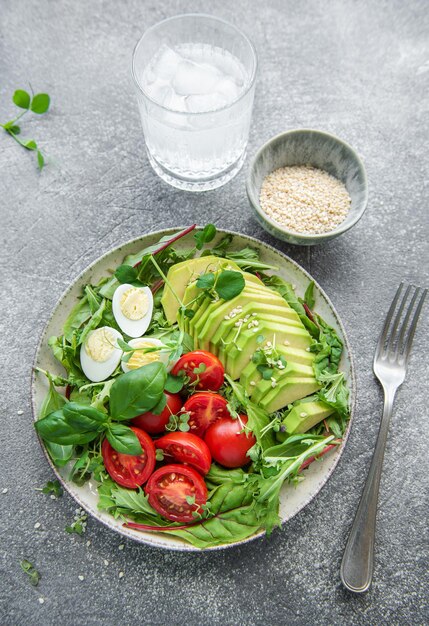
{"points": [[180, 275], [260, 386], [235, 352], [208, 323], [255, 311], [303, 416], [286, 392]]}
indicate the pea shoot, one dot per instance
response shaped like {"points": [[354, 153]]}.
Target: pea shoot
{"points": [[36, 103]]}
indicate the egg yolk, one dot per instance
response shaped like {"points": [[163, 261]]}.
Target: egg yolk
{"points": [[134, 303], [140, 358], [100, 345]]}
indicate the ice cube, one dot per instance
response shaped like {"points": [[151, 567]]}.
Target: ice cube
{"points": [[166, 63], [228, 88], [200, 103], [175, 102], [195, 78]]}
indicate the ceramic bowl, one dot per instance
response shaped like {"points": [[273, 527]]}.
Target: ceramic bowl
{"points": [[321, 150]]}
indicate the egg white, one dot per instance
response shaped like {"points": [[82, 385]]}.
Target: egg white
{"points": [[163, 356], [97, 371], [132, 328]]}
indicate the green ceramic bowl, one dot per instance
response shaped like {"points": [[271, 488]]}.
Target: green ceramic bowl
{"points": [[321, 150]]}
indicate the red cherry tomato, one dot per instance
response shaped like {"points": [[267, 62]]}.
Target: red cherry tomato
{"points": [[228, 443], [210, 374], [170, 488], [186, 448], [155, 424], [204, 408], [126, 469]]}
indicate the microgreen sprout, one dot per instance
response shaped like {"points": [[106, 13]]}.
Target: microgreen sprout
{"points": [[37, 103], [78, 526], [31, 571], [52, 487]]}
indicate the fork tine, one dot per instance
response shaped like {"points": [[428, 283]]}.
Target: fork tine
{"points": [[409, 341], [404, 327], [383, 335], [393, 333]]}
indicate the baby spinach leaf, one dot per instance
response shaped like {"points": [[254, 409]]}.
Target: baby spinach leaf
{"points": [[79, 314], [137, 391], [229, 284], [123, 439], [309, 295]]}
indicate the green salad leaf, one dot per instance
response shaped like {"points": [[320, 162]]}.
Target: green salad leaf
{"points": [[137, 391]]}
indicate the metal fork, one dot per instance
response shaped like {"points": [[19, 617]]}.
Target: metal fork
{"points": [[390, 367]]}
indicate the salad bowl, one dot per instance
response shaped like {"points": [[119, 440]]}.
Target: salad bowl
{"points": [[293, 499]]}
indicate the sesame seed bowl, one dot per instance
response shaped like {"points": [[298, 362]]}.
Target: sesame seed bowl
{"points": [[307, 187]]}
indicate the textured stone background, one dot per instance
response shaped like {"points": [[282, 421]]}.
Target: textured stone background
{"points": [[357, 69]]}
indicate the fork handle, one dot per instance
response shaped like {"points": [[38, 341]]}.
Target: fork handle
{"points": [[358, 560]]}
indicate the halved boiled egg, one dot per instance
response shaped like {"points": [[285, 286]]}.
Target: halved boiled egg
{"points": [[100, 354], [141, 357], [132, 308]]}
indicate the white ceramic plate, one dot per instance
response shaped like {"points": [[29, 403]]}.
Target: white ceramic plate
{"points": [[293, 499]]}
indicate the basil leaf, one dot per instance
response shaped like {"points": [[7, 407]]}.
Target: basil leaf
{"points": [[229, 284], [309, 295], [126, 274], [56, 429], [53, 401], [82, 417], [137, 391], [123, 439], [158, 409]]}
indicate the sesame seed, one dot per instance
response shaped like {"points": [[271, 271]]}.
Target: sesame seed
{"points": [[269, 344], [20, 412], [5, 490], [308, 349], [37, 525], [252, 382], [304, 199], [273, 384], [255, 330], [81, 577], [88, 543], [286, 342], [303, 414], [106, 562], [254, 314], [53, 496], [41, 600], [121, 574], [121, 547]]}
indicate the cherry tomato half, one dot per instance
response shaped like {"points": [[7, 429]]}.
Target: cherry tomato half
{"points": [[186, 448], [170, 488], [204, 408], [228, 443], [210, 374], [128, 470], [155, 424]]}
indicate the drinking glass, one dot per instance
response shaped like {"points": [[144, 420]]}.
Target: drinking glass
{"points": [[201, 149]]}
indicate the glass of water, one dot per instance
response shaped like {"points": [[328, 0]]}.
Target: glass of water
{"points": [[195, 79]]}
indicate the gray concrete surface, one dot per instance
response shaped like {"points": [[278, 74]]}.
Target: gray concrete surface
{"points": [[357, 69]]}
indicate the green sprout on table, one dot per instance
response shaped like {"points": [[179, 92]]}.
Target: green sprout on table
{"points": [[38, 103]]}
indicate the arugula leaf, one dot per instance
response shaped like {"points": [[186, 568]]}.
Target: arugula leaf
{"points": [[287, 292], [335, 393], [93, 323], [126, 274], [207, 234], [229, 284], [79, 314], [137, 391], [123, 439]]}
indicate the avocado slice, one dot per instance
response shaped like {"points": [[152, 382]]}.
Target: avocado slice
{"points": [[180, 275], [260, 386], [286, 392], [209, 322], [304, 415], [236, 355], [256, 311]]}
